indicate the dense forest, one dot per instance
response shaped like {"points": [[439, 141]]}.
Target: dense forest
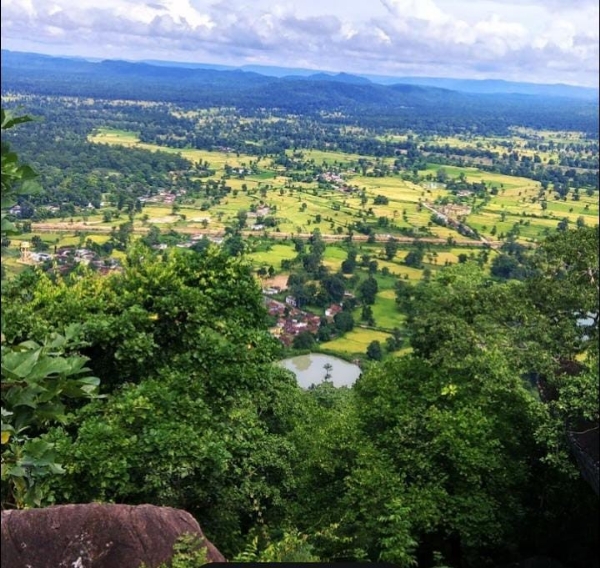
{"points": [[157, 384]]}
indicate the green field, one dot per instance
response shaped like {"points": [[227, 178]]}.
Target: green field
{"points": [[356, 341], [273, 256], [131, 139], [302, 207]]}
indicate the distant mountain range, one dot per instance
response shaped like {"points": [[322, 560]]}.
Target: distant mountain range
{"points": [[482, 86], [479, 86]]}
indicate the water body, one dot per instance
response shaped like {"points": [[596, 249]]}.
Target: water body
{"points": [[310, 370]]}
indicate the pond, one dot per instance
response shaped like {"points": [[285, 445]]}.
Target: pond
{"points": [[310, 370]]}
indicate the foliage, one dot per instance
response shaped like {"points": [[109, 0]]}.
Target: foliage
{"points": [[398, 545], [440, 456], [17, 178], [304, 340], [374, 351], [290, 547], [188, 552], [173, 308], [37, 380], [197, 414], [454, 454]]}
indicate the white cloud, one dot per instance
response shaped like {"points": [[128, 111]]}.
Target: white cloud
{"points": [[550, 40]]}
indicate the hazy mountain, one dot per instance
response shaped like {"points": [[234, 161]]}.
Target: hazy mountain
{"points": [[492, 86], [32, 61]]}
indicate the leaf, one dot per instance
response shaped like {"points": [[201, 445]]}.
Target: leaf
{"points": [[8, 121], [48, 366], [19, 364], [5, 436], [56, 468], [17, 471]]}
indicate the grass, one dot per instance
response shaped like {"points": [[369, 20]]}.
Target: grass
{"points": [[385, 311], [299, 208], [273, 256], [131, 139]]}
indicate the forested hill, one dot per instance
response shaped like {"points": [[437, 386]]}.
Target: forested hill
{"points": [[410, 106]]}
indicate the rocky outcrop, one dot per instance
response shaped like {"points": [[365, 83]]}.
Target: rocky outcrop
{"points": [[96, 536]]}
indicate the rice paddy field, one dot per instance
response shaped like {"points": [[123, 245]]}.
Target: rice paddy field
{"points": [[520, 141], [356, 341], [301, 207]]}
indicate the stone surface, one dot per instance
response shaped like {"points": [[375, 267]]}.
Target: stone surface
{"points": [[95, 536]]}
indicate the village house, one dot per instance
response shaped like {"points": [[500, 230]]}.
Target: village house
{"points": [[271, 290], [332, 310]]}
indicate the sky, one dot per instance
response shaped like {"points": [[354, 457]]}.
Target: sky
{"points": [[541, 41]]}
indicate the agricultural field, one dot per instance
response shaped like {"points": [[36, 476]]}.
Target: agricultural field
{"points": [[131, 139], [548, 146], [345, 196], [356, 341], [301, 207]]}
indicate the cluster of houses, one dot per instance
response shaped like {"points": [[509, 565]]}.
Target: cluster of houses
{"points": [[336, 180], [292, 321], [165, 197], [65, 258], [331, 178], [52, 210]]}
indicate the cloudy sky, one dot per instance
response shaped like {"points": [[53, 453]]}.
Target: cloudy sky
{"points": [[544, 41]]}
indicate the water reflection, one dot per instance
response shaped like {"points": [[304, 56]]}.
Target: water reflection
{"points": [[313, 369]]}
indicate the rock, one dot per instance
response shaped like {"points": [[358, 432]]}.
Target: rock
{"points": [[96, 536]]}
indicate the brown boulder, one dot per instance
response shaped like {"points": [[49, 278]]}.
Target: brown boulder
{"points": [[96, 536]]}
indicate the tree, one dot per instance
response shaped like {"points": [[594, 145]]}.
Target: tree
{"points": [[343, 321], [242, 217], [367, 315], [374, 351], [415, 257], [368, 290], [335, 287], [380, 200], [391, 248], [485, 454], [349, 264], [123, 234], [234, 245], [17, 178], [505, 266], [304, 340]]}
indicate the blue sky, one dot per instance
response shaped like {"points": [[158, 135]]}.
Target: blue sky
{"points": [[544, 41]]}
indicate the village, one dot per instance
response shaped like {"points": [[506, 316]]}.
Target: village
{"points": [[64, 259], [292, 321]]}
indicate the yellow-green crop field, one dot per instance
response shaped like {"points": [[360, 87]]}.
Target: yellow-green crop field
{"points": [[216, 160], [356, 341], [299, 206]]}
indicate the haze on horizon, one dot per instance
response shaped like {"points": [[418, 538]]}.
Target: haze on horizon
{"points": [[540, 41]]}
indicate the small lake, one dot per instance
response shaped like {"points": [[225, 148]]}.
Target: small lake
{"points": [[310, 370]]}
